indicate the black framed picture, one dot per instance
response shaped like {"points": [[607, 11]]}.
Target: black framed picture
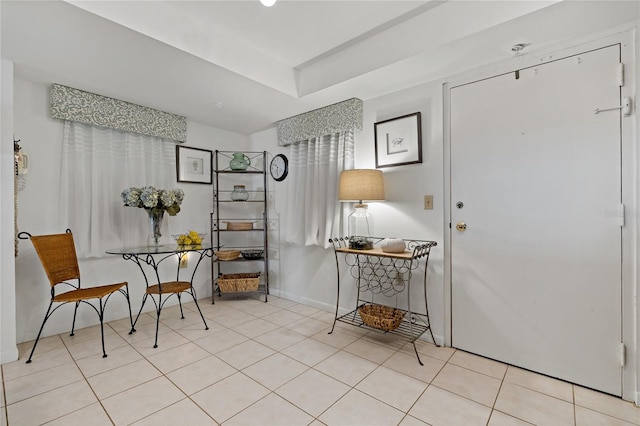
{"points": [[193, 164], [398, 141]]}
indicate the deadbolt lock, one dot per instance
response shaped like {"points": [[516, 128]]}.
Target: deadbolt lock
{"points": [[461, 226]]}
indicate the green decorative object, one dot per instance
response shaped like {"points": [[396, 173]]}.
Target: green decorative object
{"points": [[239, 161]]}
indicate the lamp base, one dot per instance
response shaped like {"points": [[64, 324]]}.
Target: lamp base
{"points": [[360, 221]]}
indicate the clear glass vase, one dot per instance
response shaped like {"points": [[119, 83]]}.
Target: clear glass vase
{"points": [[239, 193], [155, 225]]}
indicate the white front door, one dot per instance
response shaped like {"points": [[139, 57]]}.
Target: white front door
{"points": [[536, 178]]}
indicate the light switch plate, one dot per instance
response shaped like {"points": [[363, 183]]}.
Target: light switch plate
{"points": [[428, 202]]}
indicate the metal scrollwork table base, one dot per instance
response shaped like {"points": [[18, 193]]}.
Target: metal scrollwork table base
{"points": [[163, 290]]}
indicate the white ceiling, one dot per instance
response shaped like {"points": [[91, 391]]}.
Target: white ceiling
{"points": [[240, 66]]}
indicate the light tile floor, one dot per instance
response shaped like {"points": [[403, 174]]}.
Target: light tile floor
{"points": [[275, 364]]}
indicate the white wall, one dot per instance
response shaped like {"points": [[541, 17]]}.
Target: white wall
{"points": [[303, 274], [42, 138], [8, 348], [308, 274], [403, 215]]}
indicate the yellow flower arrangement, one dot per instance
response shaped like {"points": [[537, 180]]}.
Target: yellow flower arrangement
{"points": [[190, 238]]}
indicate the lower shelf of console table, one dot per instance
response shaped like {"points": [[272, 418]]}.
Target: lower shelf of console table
{"points": [[412, 326]]}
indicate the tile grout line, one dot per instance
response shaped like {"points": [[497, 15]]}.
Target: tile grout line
{"points": [[280, 351], [84, 377], [429, 384], [493, 406], [242, 372], [315, 418], [4, 396], [163, 374], [351, 387], [573, 398]]}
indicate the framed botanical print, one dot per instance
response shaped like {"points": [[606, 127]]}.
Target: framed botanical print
{"points": [[193, 164], [398, 141]]}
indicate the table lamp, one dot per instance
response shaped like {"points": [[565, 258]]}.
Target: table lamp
{"points": [[360, 185]]}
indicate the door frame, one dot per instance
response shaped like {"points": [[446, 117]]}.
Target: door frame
{"points": [[627, 36]]}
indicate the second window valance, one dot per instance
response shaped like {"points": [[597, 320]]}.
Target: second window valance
{"points": [[346, 115]]}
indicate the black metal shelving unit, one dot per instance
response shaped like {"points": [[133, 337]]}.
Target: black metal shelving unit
{"points": [[226, 210]]}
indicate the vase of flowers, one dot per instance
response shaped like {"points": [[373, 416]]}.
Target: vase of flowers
{"points": [[156, 202]]}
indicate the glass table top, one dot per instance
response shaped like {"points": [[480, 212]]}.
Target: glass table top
{"points": [[159, 249]]}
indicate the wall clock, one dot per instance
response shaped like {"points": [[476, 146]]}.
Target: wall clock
{"points": [[279, 167]]}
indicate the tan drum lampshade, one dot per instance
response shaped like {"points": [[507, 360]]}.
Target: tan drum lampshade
{"points": [[361, 185]]}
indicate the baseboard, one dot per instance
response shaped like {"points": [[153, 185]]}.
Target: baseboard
{"points": [[327, 307], [274, 292], [9, 355]]}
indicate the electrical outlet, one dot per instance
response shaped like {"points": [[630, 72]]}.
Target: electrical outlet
{"points": [[428, 202], [184, 260]]}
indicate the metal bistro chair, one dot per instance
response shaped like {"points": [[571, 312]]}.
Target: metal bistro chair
{"points": [[57, 254]]}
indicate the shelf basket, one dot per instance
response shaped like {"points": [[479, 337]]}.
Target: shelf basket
{"points": [[239, 226], [227, 254], [381, 317], [247, 281]]}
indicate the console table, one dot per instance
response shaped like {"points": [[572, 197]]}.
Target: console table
{"points": [[146, 255], [387, 274]]}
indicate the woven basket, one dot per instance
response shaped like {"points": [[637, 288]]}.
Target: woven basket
{"points": [[381, 317], [228, 254], [247, 281], [239, 226]]}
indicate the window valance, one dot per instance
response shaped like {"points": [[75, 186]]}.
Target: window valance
{"points": [[346, 115], [72, 104]]}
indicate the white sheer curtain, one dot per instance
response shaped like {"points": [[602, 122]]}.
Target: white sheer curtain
{"points": [[97, 164], [313, 212]]}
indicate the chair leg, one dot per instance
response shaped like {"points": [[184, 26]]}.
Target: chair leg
{"points": [[206, 327], [104, 353], [73, 324], [159, 309], [129, 304], [46, 317], [180, 303], [144, 299], [158, 312]]}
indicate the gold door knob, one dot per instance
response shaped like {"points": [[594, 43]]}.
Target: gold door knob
{"points": [[461, 226]]}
